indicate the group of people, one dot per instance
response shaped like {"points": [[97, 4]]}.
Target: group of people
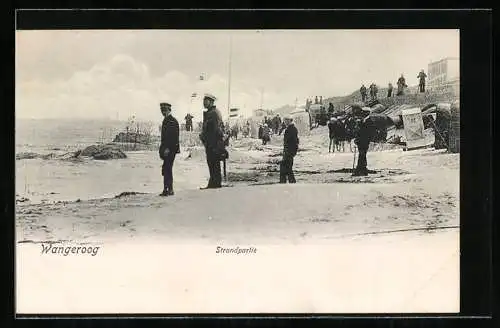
{"points": [[213, 138], [275, 123], [401, 84], [317, 101], [373, 92], [271, 126]]}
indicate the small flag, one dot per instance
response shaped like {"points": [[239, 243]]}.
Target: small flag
{"points": [[233, 112]]}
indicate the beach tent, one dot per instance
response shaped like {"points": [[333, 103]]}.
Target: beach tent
{"points": [[302, 122]]}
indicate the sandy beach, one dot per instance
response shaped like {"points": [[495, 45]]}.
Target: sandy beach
{"points": [[388, 242]]}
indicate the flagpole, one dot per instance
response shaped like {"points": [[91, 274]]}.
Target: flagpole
{"points": [[229, 79]]}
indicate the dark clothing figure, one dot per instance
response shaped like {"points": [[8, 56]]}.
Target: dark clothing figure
{"points": [[261, 131], [167, 172], [169, 147], [316, 100], [234, 131], [362, 90], [389, 91], [401, 86], [266, 135], [189, 122], [373, 91], [323, 117], [337, 134], [331, 109], [276, 124], [290, 148], [421, 84], [212, 136], [370, 129]]}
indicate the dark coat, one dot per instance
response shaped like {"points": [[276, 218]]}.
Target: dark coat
{"points": [[266, 131], [402, 82], [373, 128], [421, 76], [212, 134], [169, 135], [290, 141]]}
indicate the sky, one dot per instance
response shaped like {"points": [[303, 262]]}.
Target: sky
{"points": [[119, 73]]}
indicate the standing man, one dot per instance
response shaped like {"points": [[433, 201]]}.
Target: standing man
{"points": [[401, 85], [266, 134], [389, 90], [290, 148], [362, 90], [421, 84], [373, 91], [277, 125], [212, 137], [169, 147], [189, 122]]}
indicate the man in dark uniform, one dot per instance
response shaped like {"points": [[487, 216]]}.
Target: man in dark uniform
{"points": [[421, 80], [189, 122], [369, 127], [362, 90], [401, 85], [290, 147], [169, 147], [212, 136]]}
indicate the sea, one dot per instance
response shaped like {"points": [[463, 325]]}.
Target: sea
{"points": [[49, 180]]}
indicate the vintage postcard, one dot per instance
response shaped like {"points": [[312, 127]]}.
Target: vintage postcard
{"points": [[237, 171]]}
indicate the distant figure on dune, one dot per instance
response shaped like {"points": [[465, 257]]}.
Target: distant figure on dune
{"points": [[421, 80], [373, 91], [290, 148], [401, 85], [169, 147], [362, 90], [389, 90]]}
